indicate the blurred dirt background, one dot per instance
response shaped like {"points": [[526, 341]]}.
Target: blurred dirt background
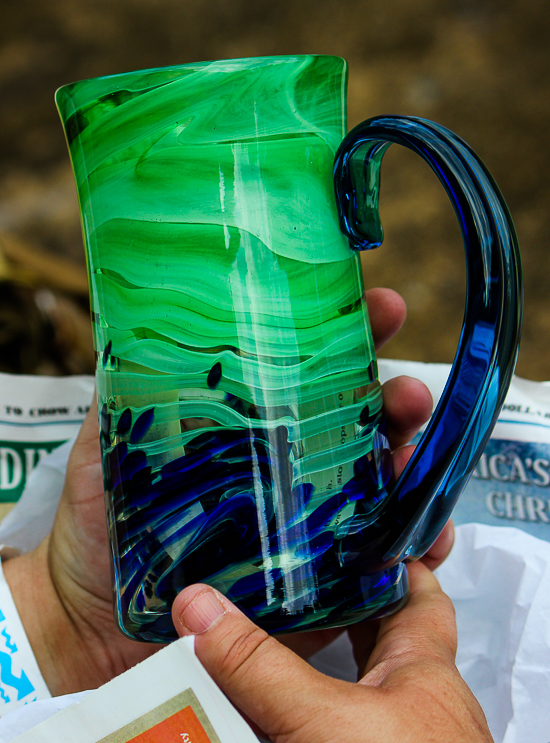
{"points": [[480, 67]]}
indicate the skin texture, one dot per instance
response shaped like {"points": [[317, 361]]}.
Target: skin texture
{"points": [[409, 689], [63, 594]]}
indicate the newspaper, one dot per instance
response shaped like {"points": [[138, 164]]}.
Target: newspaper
{"points": [[37, 414], [169, 698], [510, 485]]}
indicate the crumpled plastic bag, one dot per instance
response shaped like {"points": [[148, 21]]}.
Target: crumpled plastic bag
{"points": [[499, 581]]}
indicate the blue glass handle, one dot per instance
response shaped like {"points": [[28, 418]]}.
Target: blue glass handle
{"points": [[424, 496]]}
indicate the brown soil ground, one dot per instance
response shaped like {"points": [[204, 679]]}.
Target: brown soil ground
{"points": [[480, 67]]}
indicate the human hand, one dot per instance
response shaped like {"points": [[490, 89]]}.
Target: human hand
{"points": [[63, 589], [409, 689]]}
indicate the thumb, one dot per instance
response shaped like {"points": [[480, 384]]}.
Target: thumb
{"points": [[272, 686]]}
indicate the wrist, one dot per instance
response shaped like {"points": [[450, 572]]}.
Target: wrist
{"points": [[52, 636], [70, 629]]}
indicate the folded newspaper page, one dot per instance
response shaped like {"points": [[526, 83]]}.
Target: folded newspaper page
{"points": [[169, 698], [37, 414]]}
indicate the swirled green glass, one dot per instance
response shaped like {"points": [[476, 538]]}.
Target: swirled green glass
{"points": [[240, 412], [236, 373]]}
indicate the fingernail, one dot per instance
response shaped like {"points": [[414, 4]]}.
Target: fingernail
{"points": [[202, 613]]}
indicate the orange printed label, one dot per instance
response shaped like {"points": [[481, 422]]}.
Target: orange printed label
{"points": [[180, 719], [183, 727]]}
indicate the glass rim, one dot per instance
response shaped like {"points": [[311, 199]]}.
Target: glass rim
{"points": [[230, 63]]}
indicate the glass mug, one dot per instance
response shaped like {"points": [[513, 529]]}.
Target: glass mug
{"points": [[241, 418]]}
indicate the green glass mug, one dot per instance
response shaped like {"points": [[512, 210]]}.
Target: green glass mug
{"points": [[241, 417]]}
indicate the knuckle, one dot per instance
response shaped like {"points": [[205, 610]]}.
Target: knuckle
{"points": [[444, 622], [243, 651], [445, 609]]}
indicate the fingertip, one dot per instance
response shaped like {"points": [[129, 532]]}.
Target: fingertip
{"points": [[400, 458], [408, 399], [197, 609], [90, 425], [408, 404], [86, 449], [387, 313], [441, 548]]}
